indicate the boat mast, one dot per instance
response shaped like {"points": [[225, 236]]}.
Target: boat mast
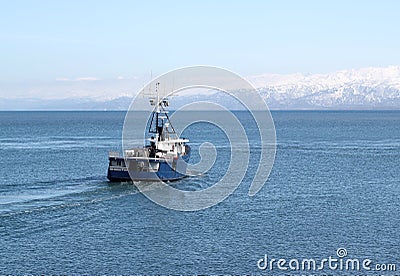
{"points": [[158, 97], [157, 111], [159, 103]]}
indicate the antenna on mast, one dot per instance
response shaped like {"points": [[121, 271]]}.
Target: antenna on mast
{"points": [[158, 97]]}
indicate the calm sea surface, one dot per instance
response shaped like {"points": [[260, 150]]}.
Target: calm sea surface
{"points": [[335, 184]]}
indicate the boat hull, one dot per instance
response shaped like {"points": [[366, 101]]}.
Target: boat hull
{"points": [[165, 172]]}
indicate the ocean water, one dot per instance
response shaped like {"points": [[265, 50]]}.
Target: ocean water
{"points": [[335, 185]]}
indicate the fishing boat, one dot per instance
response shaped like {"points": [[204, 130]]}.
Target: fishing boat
{"points": [[163, 157]]}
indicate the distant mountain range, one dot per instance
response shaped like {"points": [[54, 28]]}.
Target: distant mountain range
{"points": [[120, 103], [367, 88]]}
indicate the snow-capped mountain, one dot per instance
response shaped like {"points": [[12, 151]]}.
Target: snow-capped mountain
{"points": [[367, 88], [364, 88]]}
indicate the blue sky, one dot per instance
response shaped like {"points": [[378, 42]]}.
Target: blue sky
{"points": [[42, 41]]}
